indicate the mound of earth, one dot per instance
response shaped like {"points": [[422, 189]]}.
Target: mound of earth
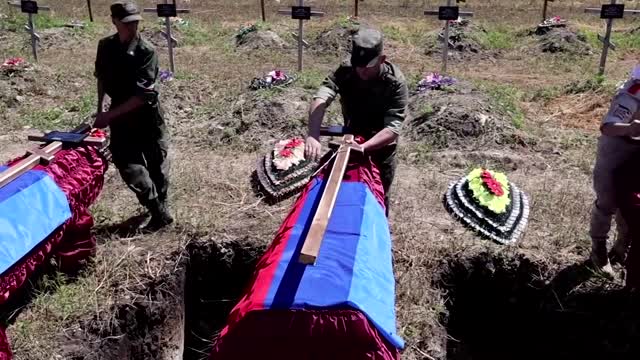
{"points": [[335, 40], [157, 38], [463, 41], [461, 117], [58, 38], [15, 86], [259, 116], [260, 39], [561, 39]]}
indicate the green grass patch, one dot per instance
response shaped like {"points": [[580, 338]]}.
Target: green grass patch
{"points": [[16, 21], [311, 78], [69, 115], [61, 299], [507, 99], [622, 40], [497, 39]]}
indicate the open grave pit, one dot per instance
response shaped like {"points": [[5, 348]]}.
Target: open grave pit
{"points": [[510, 306]]}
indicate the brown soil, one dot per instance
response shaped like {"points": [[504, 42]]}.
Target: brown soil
{"points": [[261, 39], [463, 45], [259, 117], [157, 39], [560, 40], [460, 118], [335, 40]]}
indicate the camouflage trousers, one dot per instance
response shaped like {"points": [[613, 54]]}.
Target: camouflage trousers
{"points": [[385, 160], [141, 159]]}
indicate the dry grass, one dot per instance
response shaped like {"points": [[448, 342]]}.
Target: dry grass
{"points": [[210, 190]]}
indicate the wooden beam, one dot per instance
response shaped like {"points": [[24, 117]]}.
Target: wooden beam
{"points": [[313, 241], [89, 140], [28, 163]]}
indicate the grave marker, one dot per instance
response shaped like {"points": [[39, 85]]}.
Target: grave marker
{"points": [[447, 13], [168, 10], [31, 8], [544, 10], [90, 12], [301, 13], [609, 12]]}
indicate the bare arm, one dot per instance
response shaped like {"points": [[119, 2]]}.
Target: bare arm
{"points": [[380, 140], [316, 115]]}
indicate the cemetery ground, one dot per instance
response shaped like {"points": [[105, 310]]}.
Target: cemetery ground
{"points": [[530, 113]]}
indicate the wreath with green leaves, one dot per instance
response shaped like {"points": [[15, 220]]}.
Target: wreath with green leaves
{"points": [[490, 189]]}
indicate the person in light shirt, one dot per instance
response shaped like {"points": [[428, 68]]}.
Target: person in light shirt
{"points": [[619, 141]]}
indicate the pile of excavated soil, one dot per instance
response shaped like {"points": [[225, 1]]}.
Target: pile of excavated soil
{"points": [[560, 40], [157, 39], [463, 42], [461, 117], [16, 85], [335, 40], [259, 116], [260, 39]]}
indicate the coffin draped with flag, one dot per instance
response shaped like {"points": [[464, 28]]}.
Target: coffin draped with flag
{"points": [[45, 213], [343, 307]]}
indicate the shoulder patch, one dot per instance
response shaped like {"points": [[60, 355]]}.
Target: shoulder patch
{"points": [[622, 113]]}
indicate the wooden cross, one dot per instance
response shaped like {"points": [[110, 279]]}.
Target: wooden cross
{"points": [[31, 7], [168, 10], [544, 10], [447, 13], [315, 235], [609, 11], [45, 155], [264, 16], [300, 13]]}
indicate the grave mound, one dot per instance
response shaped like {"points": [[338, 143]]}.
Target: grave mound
{"points": [[59, 38], [559, 39], [252, 38], [457, 116], [157, 38], [464, 41], [17, 80], [335, 40], [260, 115]]}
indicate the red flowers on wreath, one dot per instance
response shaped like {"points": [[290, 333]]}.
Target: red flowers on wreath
{"points": [[491, 183], [286, 152], [293, 143]]}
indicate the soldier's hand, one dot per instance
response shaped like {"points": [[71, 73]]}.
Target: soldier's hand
{"points": [[102, 120], [312, 148]]}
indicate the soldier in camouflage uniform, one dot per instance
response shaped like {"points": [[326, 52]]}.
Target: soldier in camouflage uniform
{"points": [[619, 142], [373, 95], [127, 70]]}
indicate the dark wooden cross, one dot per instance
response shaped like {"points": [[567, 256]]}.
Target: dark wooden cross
{"points": [[544, 10], [31, 8], [300, 13], [168, 10], [90, 12], [447, 13], [609, 12]]}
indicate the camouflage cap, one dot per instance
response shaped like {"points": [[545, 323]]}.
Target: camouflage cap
{"points": [[125, 11], [366, 47]]}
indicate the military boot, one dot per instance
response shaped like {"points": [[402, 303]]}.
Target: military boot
{"points": [[160, 216], [600, 259]]}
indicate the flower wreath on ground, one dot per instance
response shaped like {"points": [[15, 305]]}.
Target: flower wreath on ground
{"points": [[271, 79], [284, 170], [14, 64], [488, 203]]}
